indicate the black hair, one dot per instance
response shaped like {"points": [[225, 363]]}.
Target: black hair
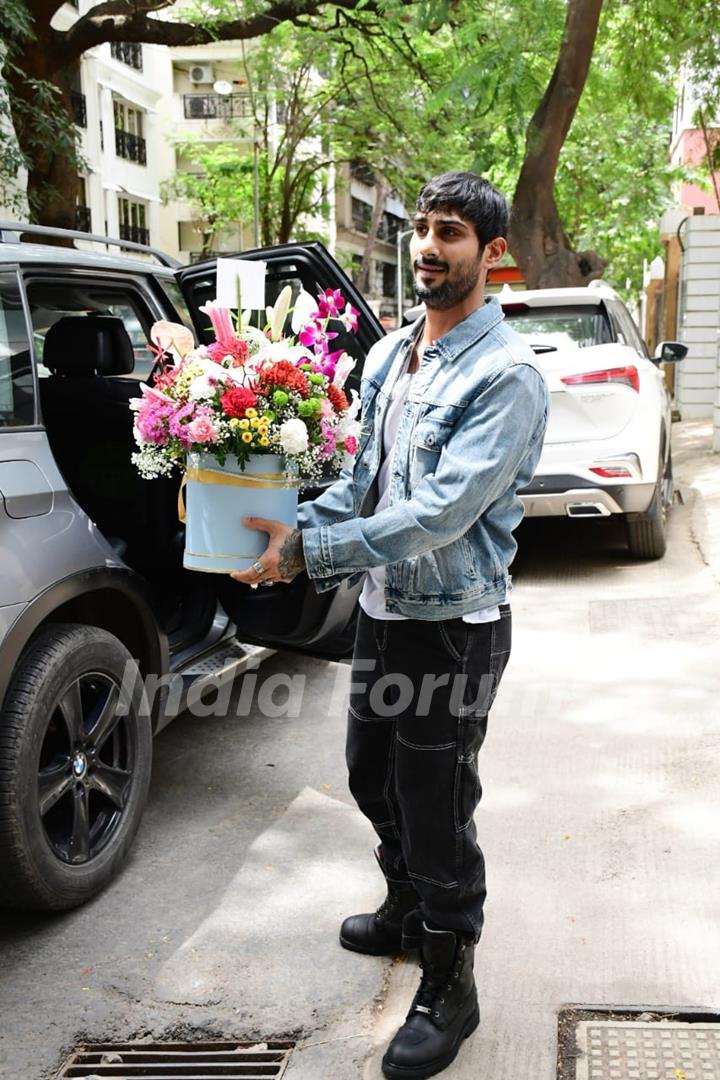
{"points": [[470, 196]]}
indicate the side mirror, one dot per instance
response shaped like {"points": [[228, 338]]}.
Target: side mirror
{"points": [[669, 352]]}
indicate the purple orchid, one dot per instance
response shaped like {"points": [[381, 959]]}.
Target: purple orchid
{"points": [[330, 303]]}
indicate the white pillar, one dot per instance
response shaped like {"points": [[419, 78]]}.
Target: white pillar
{"points": [[716, 407]]}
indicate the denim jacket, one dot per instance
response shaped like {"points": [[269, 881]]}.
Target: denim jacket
{"points": [[469, 437]]}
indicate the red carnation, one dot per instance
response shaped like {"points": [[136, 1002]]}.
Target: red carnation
{"points": [[337, 398], [284, 375], [237, 400]]}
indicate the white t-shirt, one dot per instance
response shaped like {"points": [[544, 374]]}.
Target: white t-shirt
{"points": [[372, 597]]}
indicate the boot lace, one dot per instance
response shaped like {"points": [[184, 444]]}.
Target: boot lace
{"points": [[431, 985], [429, 994]]}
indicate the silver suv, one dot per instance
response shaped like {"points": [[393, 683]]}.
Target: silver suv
{"points": [[102, 632]]}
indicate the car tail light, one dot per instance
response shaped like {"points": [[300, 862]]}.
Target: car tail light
{"points": [[611, 471], [627, 375]]}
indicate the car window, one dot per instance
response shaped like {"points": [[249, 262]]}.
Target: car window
{"points": [[174, 294], [51, 301], [627, 330], [17, 399], [575, 326]]}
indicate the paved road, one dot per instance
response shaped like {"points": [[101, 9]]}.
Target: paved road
{"points": [[600, 822]]}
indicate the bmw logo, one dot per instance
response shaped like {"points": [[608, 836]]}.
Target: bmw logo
{"points": [[79, 765]]}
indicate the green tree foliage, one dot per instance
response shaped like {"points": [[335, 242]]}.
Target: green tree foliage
{"points": [[216, 182]]}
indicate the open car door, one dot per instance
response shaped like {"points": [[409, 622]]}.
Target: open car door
{"points": [[292, 616]]}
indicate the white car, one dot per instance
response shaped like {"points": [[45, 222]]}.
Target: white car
{"points": [[607, 448]]}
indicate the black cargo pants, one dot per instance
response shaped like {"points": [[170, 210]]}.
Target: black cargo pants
{"points": [[419, 701]]}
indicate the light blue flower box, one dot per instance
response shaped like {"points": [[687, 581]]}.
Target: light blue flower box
{"points": [[218, 497]]}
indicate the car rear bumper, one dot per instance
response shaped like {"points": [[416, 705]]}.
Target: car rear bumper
{"points": [[574, 496]]}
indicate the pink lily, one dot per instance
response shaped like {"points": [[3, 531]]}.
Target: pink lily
{"points": [[342, 369], [221, 323]]}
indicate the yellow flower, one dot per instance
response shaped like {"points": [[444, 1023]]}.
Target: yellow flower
{"points": [[254, 422], [251, 412], [244, 423], [247, 436], [234, 424], [264, 441]]}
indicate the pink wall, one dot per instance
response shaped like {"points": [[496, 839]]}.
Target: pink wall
{"points": [[690, 151]]}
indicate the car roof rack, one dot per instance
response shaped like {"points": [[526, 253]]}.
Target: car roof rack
{"points": [[17, 228]]}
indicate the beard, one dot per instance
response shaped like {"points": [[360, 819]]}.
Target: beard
{"points": [[459, 283]]}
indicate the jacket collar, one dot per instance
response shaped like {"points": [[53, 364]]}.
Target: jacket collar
{"points": [[468, 332]]}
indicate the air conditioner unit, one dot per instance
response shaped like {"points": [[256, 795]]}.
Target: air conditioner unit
{"points": [[202, 73]]}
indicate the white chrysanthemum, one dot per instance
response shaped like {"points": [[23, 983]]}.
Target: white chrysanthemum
{"points": [[294, 436], [201, 388]]}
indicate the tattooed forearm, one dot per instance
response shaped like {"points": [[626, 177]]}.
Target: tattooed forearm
{"points": [[291, 559]]}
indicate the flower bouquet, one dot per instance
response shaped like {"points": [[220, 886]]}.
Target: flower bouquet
{"points": [[248, 418]]}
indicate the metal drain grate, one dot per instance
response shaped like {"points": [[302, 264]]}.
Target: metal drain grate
{"points": [[638, 1051], [178, 1061], [657, 1045]]}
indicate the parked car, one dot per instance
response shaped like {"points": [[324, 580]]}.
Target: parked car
{"points": [[608, 448], [92, 587]]}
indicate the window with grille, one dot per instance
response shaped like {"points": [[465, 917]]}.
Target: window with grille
{"points": [[129, 132], [132, 216], [127, 52]]}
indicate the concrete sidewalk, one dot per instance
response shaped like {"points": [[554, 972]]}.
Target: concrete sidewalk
{"points": [[697, 477]]}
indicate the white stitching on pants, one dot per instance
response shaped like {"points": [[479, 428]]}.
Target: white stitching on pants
{"points": [[415, 746], [386, 789], [362, 719], [430, 881]]}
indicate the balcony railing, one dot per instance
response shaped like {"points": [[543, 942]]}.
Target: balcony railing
{"points": [[79, 108], [217, 106], [131, 147], [135, 233], [127, 52], [83, 221]]}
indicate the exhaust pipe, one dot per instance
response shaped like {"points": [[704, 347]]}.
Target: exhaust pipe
{"points": [[587, 509]]}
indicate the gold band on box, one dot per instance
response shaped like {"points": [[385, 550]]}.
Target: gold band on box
{"points": [[210, 476]]}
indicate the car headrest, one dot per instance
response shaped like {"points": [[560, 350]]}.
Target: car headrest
{"points": [[81, 345]]}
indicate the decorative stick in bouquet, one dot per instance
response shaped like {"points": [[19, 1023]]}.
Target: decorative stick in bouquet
{"points": [[249, 416]]}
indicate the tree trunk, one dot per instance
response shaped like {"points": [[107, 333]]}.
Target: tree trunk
{"points": [[537, 239], [363, 274], [52, 186]]}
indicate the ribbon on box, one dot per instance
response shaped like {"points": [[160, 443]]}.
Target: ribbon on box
{"points": [[210, 476]]}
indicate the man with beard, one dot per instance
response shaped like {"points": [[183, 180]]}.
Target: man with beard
{"points": [[454, 413]]}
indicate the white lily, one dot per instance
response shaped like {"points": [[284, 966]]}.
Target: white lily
{"points": [[305, 306], [277, 315], [280, 350]]}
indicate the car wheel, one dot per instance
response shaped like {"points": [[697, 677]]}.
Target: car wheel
{"points": [[646, 532], [75, 757]]}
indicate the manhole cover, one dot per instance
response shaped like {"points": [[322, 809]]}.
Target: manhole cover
{"points": [[178, 1061], [638, 1046]]}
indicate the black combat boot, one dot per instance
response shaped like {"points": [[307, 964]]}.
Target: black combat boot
{"points": [[395, 926], [443, 1013]]}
